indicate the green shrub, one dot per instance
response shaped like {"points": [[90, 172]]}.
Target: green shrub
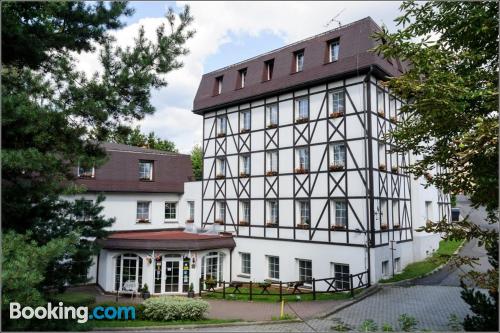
{"points": [[407, 323], [368, 326], [169, 308]]}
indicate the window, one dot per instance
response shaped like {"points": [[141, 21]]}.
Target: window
{"points": [[304, 211], [274, 267], [222, 126], [218, 85], [268, 70], [383, 212], [337, 100], [395, 213], [385, 267], [272, 161], [146, 170], [381, 156], [428, 210], [299, 61], [245, 263], [143, 211], [245, 120], [302, 108], [340, 213], [221, 211], [303, 159], [128, 268], [170, 210], [273, 211], [221, 167], [242, 77], [380, 102], [212, 266], [86, 171], [191, 210], [341, 275], [245, 165], [272, 112], [397, 264], [245, 210], [333, 48], [338, 154], [305, 271]]}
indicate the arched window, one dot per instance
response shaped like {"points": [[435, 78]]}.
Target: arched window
{"points": [[128, 267], [212, 266]]}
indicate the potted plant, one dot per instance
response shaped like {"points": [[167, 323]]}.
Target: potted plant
{"points": [[337, 114], [394, 169], [336, 167], [302, 120], [381, 113], [221, 135], [245, 130], [142, 221], [244, 175], [145, 291], [338, 227], [191, 290], [272, 126], [301, 170], [220, 176], [303, 225], [244, 223], [383, 227], [271, 173], [382, 167], [271, 224], [397, 226], [210, 283]]}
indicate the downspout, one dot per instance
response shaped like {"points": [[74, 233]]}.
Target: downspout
{"points": [[231, 264], [97, 269], [371, 219]]}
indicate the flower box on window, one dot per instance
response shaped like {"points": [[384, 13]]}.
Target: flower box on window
{"points": [[382, 167], [338, 227], [394, 119], [189, 221], [394, 169], [381, 113], [244, 175], [220, 176], [271, 224], [397, 226], [245, 130], [337, 114], [303, 226], [301, 170], [244, 223], [336, 167], [142, 221], [221, 135], [145, 179], [302, 120], [383, 227], [272, 126], [271, 173], [83, 176], [218, 221]]}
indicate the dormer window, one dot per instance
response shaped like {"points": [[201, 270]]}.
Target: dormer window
{"points": [[268, 70], [299, 61], [333, 49], [85, 171], [242, 77], [145, 170], [218, 85]]}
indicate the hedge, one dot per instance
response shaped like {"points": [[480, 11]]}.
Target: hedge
{"points": [[167, 308]]}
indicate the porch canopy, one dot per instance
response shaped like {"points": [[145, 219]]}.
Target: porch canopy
{"points": [[166, 240]]}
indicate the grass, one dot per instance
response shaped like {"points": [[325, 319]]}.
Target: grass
{"points": [[274, 298], [420, 268], [149, 323], [73, 298]]}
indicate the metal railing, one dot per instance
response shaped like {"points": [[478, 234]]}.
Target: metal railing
{"points": [[282, 288]]}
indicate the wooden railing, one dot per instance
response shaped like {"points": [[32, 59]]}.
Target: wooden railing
{"points": [[277, 288]]}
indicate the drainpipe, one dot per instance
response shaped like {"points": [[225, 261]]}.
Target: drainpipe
{"points": [[371, 219], [231, 264], [97, 269]]}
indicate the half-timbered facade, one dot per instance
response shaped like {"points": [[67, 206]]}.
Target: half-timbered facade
{"points": [[298, 163]]}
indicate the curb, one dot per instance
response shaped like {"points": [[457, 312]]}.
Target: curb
{"points": [[435, 270], [370, 291], [190, 326]]}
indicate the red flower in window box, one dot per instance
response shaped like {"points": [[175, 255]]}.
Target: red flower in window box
{"points": [[303, 226], [397, 226], [337, 114], [245, 130], [272, 126], [394, 119], [383, 227], [337, 227], [218, 221], [221, 135], [142, 221], [381, 114], [336, 167], [271, 224], [220, 176], [244, 223], [83, 176], [244, 175], [301, 170], [394, 169], [145, 179], [302, 120], [382, 167], [271, 173]]}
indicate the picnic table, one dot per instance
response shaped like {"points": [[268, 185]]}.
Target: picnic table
{"points": [[236, 285], [296, 285], [264, 286]]}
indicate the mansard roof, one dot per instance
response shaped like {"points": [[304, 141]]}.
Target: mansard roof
{"points": [[355, 58]]}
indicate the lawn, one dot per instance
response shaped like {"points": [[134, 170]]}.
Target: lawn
{"points": [[274, 298], [420, 268], [150, 323]]}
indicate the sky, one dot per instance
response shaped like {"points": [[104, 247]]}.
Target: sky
{"points": [[227, 33]]}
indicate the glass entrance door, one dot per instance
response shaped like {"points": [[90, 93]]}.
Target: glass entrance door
{"points": [[172, 280]]}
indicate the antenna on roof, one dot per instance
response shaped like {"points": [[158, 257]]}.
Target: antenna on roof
{"points": [[334, 19]]}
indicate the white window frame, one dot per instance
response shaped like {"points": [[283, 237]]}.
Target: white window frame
{"points": [[243, 75], [190, 210], [428, 210], [273, 267], [397, 264], [272, 111], [299, 61], [302, 158], [269, 72], [145, 174], [385, 267], [221, 125], [272, 161], [304, 212], [303, 270], [246, 263], [221, 211], [169, 203], [221, 167], [383, 212], [272, 206], [246, 120], [140, 215], [337, 100], [339, 272], [219, 84], [83, 173], [245, 208], [333, 49], [302, 112], [339, 207], [380, 100], [338, 153], [245, 164]]}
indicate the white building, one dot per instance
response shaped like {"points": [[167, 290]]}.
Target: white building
{"points": [[299, 180]]}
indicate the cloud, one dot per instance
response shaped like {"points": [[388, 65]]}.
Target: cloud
{"points": [[219, 23]]}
